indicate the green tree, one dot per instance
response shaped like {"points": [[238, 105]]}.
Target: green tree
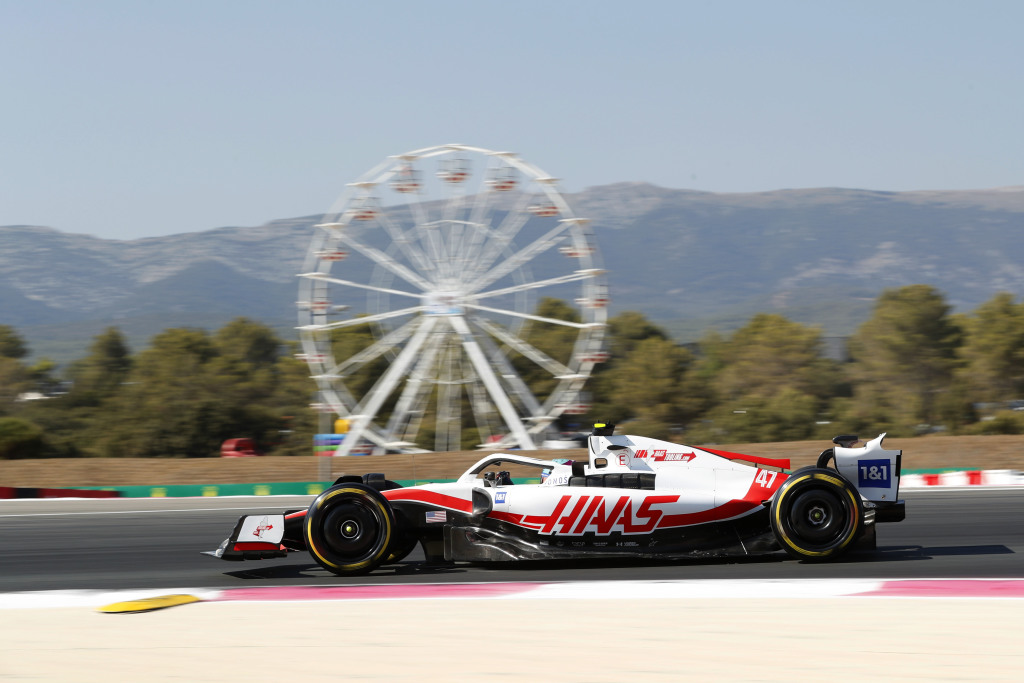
{"points": [[993, 350], [294, 420], [771, 380], [15, 379], [346, 343], [904, 358], [11, 343], [189, 391], [249, 341], [19, 439], [101, 374], [771, 352], [787, 415], [654, 388], [171, 404], [268, 386], [71, 422], [626, 331], [245, 362], [553, 340]]}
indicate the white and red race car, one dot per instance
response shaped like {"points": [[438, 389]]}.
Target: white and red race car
{"points": [[635, 497]]}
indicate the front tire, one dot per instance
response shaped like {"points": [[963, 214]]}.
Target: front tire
{"points": [[349, 529], [816, 515]]}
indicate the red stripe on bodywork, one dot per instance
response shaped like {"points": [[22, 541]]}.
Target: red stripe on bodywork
{"points": [[430, 498], [733, 508], [781, 463], [506, 517], [547, 522], [257, 545], [297, 515], [750, 501]]}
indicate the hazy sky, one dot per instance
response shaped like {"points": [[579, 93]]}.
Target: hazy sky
{"points": [[134, 119]]}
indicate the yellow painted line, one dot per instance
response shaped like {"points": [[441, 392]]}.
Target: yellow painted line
{"points": [[148, 604]]}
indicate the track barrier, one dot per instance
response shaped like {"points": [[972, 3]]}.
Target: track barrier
{"points": [[910, 480]]}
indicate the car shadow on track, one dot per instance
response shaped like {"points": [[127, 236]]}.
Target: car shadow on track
{"points": [[315, 571], [412, 569], [602, 564], [893, 553], [903, 553], [538, 569]]}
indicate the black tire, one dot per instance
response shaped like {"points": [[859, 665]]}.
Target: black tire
{"points": [[349, 529], [816, 515]]}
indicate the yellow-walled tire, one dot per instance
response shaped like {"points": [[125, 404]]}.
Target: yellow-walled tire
{"points": [[816, 515], [349, 529]]}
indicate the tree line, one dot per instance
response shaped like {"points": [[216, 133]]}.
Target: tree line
{"points": [[912, 367], [182, 396]]}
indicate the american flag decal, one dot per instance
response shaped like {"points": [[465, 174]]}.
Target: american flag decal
{"points": [[437, 516]]}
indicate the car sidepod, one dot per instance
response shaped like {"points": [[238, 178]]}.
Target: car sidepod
{"points": [[591, 519]]}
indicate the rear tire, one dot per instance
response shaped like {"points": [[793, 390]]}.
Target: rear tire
{"points": [[816, 515], [349, 529]]}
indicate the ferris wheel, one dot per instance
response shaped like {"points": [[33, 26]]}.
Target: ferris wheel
{"points": [[438, 258]]}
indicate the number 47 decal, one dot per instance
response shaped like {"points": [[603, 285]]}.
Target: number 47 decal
{"points": [[765, 478]]}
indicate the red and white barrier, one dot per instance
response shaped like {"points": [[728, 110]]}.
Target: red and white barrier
{"points": [[34, 492], [963, 478]]}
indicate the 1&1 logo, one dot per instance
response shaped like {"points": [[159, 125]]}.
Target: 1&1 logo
{"points": [[873, 474]]}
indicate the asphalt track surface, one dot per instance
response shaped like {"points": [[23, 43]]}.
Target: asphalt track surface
{"points": [[156, 543]]}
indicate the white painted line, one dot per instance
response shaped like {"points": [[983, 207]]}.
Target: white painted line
{"points": [[691, 589], [699, 589]]}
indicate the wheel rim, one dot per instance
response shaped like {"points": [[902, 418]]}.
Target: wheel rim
{"points": [[818, 517], [450, 297], [350, 530]]}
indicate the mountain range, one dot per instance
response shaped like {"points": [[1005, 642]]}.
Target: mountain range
{"points": [[688, 260]]}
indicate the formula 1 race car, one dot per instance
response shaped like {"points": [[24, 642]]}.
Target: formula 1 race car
{"points": [[635, 497]]}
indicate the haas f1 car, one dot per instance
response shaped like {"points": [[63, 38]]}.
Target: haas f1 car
{"points": [[635, 497]]}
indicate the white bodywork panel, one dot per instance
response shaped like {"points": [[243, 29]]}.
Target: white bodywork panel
{"points": [[872, 469], [262, 529]]}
